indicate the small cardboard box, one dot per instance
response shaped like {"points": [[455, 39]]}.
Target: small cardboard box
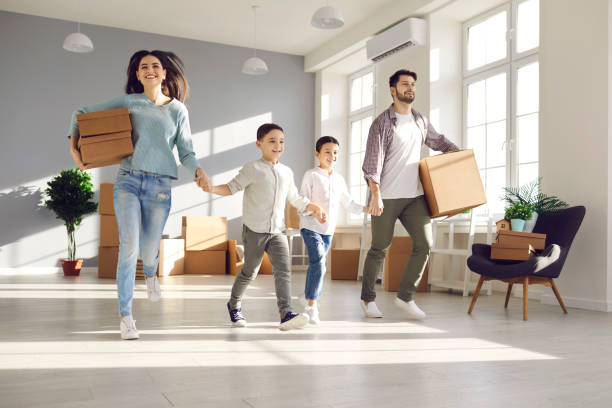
{"points": [[521, 253], [107, 262], [205, 262], [395, 264], [104, 150], [171, 257], [344, 263], [109, 233], [521, 239], [264, 269], [204, 233], [106, 199], [104, 122], [451, 183]]}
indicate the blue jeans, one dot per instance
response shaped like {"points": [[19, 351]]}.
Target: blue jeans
{"points": [[317, 246], [142, 203]]}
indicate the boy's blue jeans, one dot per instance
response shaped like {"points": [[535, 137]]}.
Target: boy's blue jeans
{"points": [[142, 203], [317, 246]]}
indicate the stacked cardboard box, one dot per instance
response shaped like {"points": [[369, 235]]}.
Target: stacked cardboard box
{"points": [[516, 246], [105, 137], [205, 244], [171, 257], [395, 263]]}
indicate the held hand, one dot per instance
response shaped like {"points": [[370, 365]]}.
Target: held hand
{"points": [[375, 206], [203, 181], [320, 214], [76, 156]]}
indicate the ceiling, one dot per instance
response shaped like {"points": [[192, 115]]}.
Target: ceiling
{"points": [[282, 25]]}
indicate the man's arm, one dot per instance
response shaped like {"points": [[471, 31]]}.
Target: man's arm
{"points": [[437, 141], [375, 207]]}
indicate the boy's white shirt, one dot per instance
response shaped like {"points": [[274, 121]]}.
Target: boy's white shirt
{"points": [[329, 191], [267, 187]]}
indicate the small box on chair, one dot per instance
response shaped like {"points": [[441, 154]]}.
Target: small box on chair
{"points": [[511, 253]]}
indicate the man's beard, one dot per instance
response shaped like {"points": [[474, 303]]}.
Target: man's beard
{"points": [[405, 99]]}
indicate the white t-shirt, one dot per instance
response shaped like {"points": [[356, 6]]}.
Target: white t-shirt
{"points": [[400, 175]]}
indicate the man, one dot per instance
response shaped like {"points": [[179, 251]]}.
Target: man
{"points": [[391, 168]]}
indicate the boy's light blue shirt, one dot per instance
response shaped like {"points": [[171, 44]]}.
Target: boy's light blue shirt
{"points": [[155, 131]]}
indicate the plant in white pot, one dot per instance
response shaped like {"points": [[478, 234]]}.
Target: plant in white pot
{"points": [[518, 214], [70, 196]]}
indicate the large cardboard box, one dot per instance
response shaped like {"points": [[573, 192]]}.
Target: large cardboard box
{"points": [[107, 262], [106, 199], [109, 233], [521, 239], [521, 253], [451, 183], [104, 122], [205, 262], [344, 263], [395, 263], [171, 257], [204, 233], [264, 269]]}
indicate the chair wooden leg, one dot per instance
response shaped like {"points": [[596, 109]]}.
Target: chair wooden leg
{"points": [[508, 294], [558, 295], [476, 292], [525, 296]]}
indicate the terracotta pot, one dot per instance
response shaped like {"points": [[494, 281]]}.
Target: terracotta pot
{"points": [[72, 268]]}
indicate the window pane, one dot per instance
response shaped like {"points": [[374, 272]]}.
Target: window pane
{"points": [[527, 173], [476, 104], [527, 89], [496, 97], [365, 129], [356, 94], [496, 28], [356, 136], [528, 138], [476, 45], [355, 171], [366, 89], [476, 141], [528, 25], [496, 180], [496, 144]]}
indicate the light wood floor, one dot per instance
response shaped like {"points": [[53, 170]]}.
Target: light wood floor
{"points": [[60, 347]]}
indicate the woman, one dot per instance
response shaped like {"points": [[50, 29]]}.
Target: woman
{"points": [[155, 90]]}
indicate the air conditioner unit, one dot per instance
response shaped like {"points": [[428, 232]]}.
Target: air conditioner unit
{"points": [[406, 33]]}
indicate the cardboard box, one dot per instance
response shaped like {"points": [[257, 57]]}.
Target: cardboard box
{"points": [[395, 263], [104, 122], [344, 263], [292, 218], [171, 257], [451, 183], [205, 262], [109, 233], [204, 233], [104, 150], [264, 269], [107, 262], [106, 199], [522, 253], [234, 266], [521, 239]]}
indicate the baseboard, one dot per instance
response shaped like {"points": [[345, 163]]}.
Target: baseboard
{"points": [[578, 303], [42, 270]]}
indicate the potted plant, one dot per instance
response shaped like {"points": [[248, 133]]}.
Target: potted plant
{"points": [[517, 214], [531, 193], [70, 196]]}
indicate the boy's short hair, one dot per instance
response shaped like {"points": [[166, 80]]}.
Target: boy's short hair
{"points": [[394, 79], [325, 139], [266, 128]]}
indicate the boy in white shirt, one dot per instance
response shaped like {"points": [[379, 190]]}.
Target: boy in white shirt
{"points": [[267, 185], [327, 188]]}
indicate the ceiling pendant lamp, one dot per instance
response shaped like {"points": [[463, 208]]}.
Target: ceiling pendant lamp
{"points": [[327, 18], [78, 42], [254, 65]]}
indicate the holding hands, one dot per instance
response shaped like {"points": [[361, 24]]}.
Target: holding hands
{"points": [[203, 181], [318, 212]]}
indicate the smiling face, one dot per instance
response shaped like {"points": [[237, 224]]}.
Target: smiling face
{"points": [[405, 89], [328, 156], [150, 72], [272, 145]]}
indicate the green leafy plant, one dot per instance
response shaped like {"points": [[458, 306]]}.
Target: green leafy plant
{"points": [[519, 211], [531, 194], [70, 196]]}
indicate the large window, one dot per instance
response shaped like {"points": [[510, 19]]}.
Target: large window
{"points": [[361, 114], [501, 96]]}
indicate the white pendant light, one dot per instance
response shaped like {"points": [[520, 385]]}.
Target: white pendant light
{"points": [[327, 18], [255, 65], [78, 42]]}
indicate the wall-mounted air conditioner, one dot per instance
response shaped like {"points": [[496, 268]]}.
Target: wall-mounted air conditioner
{"points": [[406, 33]]}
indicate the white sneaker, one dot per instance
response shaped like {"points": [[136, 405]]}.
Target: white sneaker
{"points": [[411, 309], [293, 321], [153, 288], [370, 309], [313, 314], [128, 328]]}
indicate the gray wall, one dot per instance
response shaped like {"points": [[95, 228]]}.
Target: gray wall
{"points": [[41, 84]]}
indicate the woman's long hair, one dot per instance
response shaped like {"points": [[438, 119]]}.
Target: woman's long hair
{"points": [[174, 86]]}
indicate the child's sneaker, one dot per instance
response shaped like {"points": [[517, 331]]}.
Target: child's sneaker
{"points": [[313, 314], [153, 289], [236, 316], [128, 329], [370, 309], [294, 321]]}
